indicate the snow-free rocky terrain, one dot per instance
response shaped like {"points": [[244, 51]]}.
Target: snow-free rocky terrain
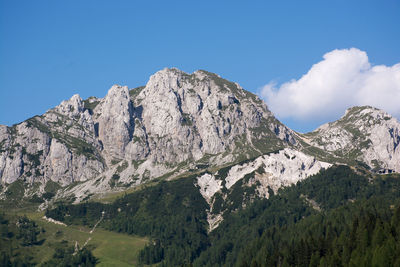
{"points": [[177, 124]]}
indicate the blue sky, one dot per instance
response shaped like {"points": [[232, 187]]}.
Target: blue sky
{"points": [[50, 50]]}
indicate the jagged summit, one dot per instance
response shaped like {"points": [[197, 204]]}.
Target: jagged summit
{"points": [[364, 115], [358, 109], [359, 115], [169, 78]]}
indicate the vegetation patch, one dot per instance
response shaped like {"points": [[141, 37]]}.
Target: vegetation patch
{"points": [[122, 167], [15, 191], [90, 104], [133, 93], [2, 146], [186, 120], [136, 163], [114, 179], [115, 161], [24, 242], [35, 158], [52, 187]]}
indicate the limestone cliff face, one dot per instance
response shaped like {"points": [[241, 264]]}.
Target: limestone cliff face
{"points": [[177, 119], [59, 146], [115, 122], [188, 116]]}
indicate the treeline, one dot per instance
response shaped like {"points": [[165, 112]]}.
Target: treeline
{"points": [[67, 256], [332, 218], [19, 238]]}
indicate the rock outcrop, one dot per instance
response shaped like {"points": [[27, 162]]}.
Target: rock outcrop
{"points": [[256, 178]]}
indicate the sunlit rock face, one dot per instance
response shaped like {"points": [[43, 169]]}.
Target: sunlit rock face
{"points": [[180, 123], [176, 119]]}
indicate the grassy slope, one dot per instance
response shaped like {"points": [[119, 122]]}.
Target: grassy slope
{"points": [[112, 249]]}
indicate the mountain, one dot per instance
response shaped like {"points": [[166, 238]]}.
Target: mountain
{"points": [[203, 169], [180, 125], [175, 123]]}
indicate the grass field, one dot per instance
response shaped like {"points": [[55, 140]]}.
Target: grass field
{"points": [[112, 249]]}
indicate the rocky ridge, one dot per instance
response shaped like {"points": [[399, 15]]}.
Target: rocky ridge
{"points": [[175, 123]]}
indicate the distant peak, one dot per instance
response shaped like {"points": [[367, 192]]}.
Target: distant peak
{"points": [[358, 115], [360, 111], [356, 109]]}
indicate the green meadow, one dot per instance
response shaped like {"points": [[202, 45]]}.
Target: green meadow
{"points": [[110, 248]]}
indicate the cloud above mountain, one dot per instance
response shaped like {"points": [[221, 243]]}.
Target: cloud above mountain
{"points": [[344, 78]]}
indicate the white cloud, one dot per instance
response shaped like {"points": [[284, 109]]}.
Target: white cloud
{"points": [[344, 78]]}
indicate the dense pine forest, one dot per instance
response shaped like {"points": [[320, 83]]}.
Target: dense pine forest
{"points": [[338, 217]]}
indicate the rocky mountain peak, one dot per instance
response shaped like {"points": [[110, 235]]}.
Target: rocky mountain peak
{"points": [[366, 134], [202, 107], [360, 117], [366, 115], [173, 79]]}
